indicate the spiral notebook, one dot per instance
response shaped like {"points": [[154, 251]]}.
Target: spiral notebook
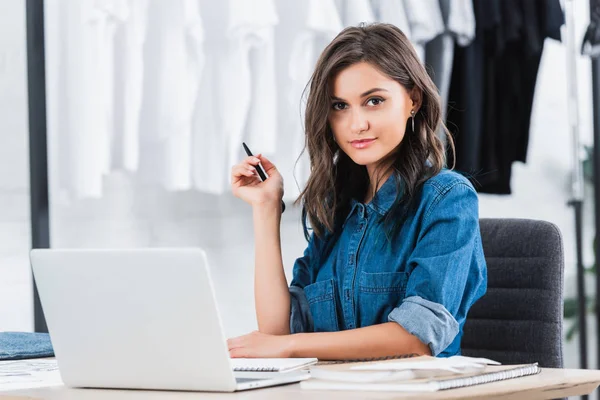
{"points": [[490, 374], [271, 364]]}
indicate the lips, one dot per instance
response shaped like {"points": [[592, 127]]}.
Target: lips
{"points": [[362, 143]]}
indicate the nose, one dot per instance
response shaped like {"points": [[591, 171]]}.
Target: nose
{"points": [[359, 122]]}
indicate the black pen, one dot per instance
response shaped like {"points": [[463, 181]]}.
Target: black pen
{"points": [[261, 171]]}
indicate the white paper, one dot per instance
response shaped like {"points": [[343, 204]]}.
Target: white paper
{"points": [[361, 377], [403, 371], [455, 364], [27, 374]]}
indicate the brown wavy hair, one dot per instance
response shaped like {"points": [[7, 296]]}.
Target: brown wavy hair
{"points": [[334, 178]]}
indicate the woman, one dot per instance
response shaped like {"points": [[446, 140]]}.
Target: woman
{"points": [[394, 261]]}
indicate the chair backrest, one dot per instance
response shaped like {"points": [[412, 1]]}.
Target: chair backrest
{"points": [[519, 319]]}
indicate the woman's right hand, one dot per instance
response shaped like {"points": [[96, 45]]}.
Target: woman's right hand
{"points": [[246, 184]]}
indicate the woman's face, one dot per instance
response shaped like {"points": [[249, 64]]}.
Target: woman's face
{"points": [[368, 113]]}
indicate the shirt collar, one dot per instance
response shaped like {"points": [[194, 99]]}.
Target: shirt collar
{"points": [[383, 199]]}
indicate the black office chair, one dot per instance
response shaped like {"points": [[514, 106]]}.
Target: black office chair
{"points": [[519, 319]]}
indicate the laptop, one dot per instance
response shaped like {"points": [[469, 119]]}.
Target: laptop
{"points": [[138, 319]]}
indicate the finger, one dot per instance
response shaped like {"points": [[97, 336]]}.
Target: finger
{"points": [[267, 165], [235, 342], [245, 165], [238, 353], [242, 170], [252, 160], [248, 162]]}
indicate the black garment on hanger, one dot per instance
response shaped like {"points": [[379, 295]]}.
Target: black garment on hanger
{"points": [[490, 115], [466, 109]]}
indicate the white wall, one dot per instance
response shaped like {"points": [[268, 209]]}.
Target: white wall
{"points": [[131, 214]]}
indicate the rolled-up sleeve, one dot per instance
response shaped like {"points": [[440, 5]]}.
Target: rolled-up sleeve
{"points": [[448, 269], [431, 322], [300, 316]]}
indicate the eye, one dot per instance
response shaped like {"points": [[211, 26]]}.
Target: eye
{"points": [[339, 106], [375, 101]]}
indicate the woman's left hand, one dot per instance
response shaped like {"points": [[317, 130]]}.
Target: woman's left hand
{"points": [[260, 345]]}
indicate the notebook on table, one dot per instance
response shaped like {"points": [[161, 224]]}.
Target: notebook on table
{"points": [[423, 374]]}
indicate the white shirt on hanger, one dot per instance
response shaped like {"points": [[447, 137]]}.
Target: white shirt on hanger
{"points": [[426, 22], [461, 21], [355, 12], [210, 169], [249, 108], [81, 68], [392, 12], [105, 17], [174, 63], [129, 87], [425, 18]]}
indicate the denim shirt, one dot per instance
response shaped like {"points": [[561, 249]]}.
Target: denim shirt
{"points": [[426, 279], [21, 345]]}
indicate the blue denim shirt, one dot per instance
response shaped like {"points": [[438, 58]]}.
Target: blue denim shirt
{"points": [[426, 279]]}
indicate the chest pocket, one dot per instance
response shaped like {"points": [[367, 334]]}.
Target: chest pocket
{"points": [[321, 300], [379, 294]]}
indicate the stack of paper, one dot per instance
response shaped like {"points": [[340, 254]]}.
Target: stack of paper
{"points": [[417, 368], [27, 374], [417, 374]]}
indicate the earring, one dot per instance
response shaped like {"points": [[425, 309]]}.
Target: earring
{"points": [[412, 116]]}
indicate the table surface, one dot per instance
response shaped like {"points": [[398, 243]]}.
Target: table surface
{"points": [[548, 384]]}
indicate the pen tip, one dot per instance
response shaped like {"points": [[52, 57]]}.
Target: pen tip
{"points": [[246, 149]]}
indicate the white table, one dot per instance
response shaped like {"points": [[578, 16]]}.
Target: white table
{"points": [[548, 384]]}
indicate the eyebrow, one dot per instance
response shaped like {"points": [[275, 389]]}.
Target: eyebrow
{"points": [[368, 92]]}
